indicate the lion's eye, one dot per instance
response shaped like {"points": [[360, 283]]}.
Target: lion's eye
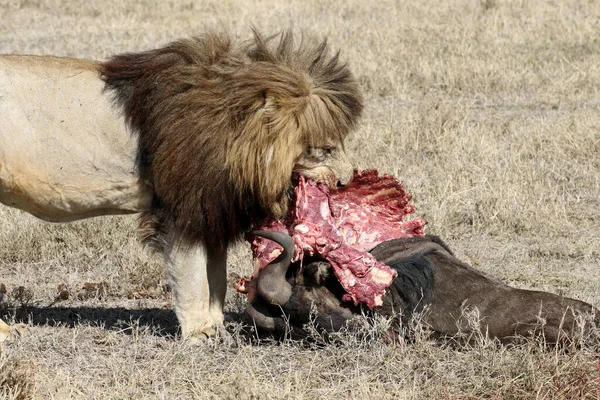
{"points": [[320, 153]]}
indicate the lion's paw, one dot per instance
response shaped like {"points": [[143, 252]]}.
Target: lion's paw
{"points": [[11, 332], [216, 332]]}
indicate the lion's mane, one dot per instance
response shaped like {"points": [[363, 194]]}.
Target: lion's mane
{"points": [[221, 125]]}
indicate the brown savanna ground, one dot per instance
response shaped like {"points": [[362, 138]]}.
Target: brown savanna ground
{"points": [[488, 110]]}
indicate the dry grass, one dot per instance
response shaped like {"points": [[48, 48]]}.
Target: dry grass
{"points": [[489, 111]]}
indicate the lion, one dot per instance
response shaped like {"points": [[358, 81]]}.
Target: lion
{"points": [[202, 137]]}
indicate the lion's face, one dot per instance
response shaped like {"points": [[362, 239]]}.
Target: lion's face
{"points": [[327, 164], [230, 125]]}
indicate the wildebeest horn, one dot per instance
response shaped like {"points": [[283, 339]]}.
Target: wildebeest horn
{"points": [[272, 285], [265, 321]]}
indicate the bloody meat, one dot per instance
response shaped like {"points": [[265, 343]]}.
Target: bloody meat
{"points": [[341, 226]]}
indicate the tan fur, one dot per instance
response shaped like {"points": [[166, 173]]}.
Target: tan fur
{"points": [[11, 332], [65, 152], [246, 115], [309, 101], [201, 137]]}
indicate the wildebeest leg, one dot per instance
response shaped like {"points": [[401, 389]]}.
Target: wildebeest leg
{"points": [[187, 272]]}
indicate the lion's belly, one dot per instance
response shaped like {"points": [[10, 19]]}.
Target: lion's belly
{"points": [[65, 152]]}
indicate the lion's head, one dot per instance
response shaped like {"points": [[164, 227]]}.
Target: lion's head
{"points": [[223, 127]]}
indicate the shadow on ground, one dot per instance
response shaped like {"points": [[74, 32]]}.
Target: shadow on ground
{"points": [[160, 321]]}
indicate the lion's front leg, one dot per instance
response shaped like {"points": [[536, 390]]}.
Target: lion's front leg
{"points": [[217, 283], [191, 280]]}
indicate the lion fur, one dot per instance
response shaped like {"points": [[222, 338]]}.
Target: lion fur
{"points": [[221, 126]]}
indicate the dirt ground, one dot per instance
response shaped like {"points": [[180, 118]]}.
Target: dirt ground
{"points": [[487, 110]]}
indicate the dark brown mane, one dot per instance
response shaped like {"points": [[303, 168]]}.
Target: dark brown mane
{"points": [[221, 125]]}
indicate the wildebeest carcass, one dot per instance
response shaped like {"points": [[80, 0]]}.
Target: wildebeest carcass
{"points": [[431, 282]]}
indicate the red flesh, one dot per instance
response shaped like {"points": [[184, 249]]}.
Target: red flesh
{"points": [[341, 227]]}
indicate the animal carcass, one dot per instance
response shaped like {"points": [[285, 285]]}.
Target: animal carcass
{"points": [[317, 260], [430, 280]]}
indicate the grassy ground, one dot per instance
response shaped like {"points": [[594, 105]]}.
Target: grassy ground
{"points": [[488, 110]]}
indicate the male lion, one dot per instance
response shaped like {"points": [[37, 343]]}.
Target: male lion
{"points": [[201, 136]]}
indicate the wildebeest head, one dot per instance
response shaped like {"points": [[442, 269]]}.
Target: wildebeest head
{"points": [[289, 296]]}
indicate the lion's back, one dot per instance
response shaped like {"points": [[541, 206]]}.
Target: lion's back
{"points": [[65, 151]]}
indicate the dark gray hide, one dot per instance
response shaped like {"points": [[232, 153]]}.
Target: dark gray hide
{"points": [[448, 292]]}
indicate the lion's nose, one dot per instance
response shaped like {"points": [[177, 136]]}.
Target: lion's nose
{"points": [[345, 178]]}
